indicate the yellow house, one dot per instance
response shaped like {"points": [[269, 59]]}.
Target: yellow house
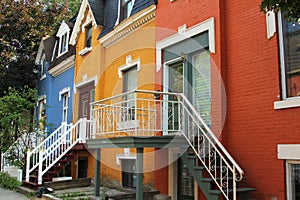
{"points": [[115, 53]]}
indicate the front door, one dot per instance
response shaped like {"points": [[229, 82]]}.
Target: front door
{"points": [[185, 182], [86, 96], [128, 168], [82, 167]]}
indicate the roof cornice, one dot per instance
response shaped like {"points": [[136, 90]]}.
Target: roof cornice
{"points": [[62, 67], [128, 26]]}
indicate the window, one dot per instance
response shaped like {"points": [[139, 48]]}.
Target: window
{"points": [[65, 99], [42, 113], [88, 36], [43, 66], [130, 84], [63, 44], [290, 57], [125, 9], [293, 180]]}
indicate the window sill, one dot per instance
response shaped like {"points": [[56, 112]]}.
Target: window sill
{"points": [[85, 51], [43, 77], [287, 103]]}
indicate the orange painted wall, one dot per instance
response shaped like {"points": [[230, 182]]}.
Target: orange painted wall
{"points": [[140, 44], [104, 63]]}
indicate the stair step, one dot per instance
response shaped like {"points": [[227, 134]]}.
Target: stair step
{"points": [[31, 185], [238, 190]]}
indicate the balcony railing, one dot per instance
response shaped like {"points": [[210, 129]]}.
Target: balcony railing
{"points": [[150, 113]]}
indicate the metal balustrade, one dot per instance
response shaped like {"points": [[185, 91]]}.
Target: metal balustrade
{"points": [[55, 146], [150, 113]]}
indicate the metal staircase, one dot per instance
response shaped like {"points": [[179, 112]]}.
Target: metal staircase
{"points": [[54, 151], [150, 113]]}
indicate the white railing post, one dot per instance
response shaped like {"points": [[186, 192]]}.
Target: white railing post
{"points": [[27, 165], [82, 130], [93, 129], [40, 176]]}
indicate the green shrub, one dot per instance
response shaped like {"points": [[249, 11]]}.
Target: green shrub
{"points": [[9, 182]]}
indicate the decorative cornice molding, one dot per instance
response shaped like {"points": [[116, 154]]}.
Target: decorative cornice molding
{"points": [[128, 26], [62, 67]]}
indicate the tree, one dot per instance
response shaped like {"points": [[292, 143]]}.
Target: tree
{"points": [[22, 25], [291, 8], [16, 118]]}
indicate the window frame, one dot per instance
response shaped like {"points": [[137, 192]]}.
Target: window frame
{"points": [[289, 164], [283, 60], [43, 67], [65, 102], [88, 39], [63, 43], [121, 7]]}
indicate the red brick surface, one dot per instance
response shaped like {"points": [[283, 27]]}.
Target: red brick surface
{"points": [[250, 68]]}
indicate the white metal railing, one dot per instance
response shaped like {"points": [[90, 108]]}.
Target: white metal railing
{"points": [[17, 151], [55, 146], [149, 113]]}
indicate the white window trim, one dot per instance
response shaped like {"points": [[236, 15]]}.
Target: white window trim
{"points": [[43, 75], [290, 102], [125, 156], [59, 45], [63, 30], [207, 25], [129, 64], [119, 10], [85, 51], [65, 108], [85, 81], [288, 177], [64, 91]]}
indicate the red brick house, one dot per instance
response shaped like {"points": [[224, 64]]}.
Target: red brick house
{"points": [[252, 65]]}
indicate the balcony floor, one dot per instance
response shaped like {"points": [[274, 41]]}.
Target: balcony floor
{"points": [[169, 141]]}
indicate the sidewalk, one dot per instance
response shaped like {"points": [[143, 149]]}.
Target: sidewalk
{"points": [[9, 194]]}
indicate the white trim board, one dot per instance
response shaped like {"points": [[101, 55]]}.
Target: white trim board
{"points": [[207, 25]]}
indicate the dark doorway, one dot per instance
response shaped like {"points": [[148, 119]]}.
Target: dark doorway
{"points": [[128, 177], [82, 167], [185, 182]]}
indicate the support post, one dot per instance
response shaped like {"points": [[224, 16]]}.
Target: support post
{"points": [[40, 176], [27, 165], [139, 173], [97, 173]]}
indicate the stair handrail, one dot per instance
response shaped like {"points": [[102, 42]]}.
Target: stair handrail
{"points": [[59, 147], [224, 154], [213, 136], [40, 148]]}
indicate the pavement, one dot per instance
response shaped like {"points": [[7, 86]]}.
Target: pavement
{"points": [[11, 195]]}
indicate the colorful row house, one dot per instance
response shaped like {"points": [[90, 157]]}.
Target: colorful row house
{"points": [[197, 99]]}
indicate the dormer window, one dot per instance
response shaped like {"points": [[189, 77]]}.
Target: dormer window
{"points": [[88, 36], [63, 35], [125, 8]]}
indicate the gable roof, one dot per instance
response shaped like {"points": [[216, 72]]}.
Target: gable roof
{"points": [[97, 12]]}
